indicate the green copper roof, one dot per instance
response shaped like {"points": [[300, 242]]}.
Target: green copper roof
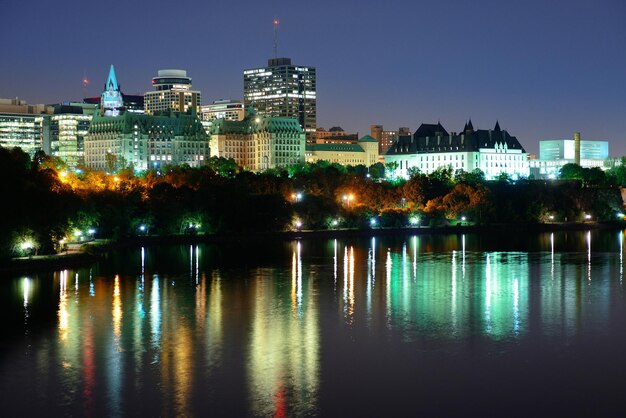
{"points": [[367, 138], [253, 123], [176, 124], [335, 147]]}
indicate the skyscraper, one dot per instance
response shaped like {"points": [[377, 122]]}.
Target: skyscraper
{"points": [[172, 92], [283, 90]]}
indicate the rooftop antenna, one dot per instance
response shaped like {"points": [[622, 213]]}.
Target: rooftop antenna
{"points": [[276, 22]]}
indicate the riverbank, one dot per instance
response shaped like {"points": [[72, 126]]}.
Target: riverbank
{"points": [[90, 252]]}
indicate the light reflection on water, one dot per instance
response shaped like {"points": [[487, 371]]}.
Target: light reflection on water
{"points": [[210, 335]]}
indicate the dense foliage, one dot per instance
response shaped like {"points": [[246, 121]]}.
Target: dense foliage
{"points": [[46, 204]]}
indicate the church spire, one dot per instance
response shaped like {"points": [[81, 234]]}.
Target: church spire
{"points": [[111, 101], [111, 84], [497, 128]]}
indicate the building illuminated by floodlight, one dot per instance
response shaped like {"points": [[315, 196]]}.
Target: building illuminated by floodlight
{"points": [[283, 90]]}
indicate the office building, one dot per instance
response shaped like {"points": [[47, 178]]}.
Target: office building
{"points": [[69, 126], [172, 92], [223, 109], [555, 153], [259, 142], [283, 90], [493, 151], [25, 126]]}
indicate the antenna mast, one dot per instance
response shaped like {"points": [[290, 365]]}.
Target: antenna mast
{"points": [[276, 22]]}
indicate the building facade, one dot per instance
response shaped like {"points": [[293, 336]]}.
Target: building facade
{"points": [[259, 142], [223, 109], [68, 129], [363, 152], [386, 138], [431, 147], [555, 153], [334, 135], [283, 90], [172, 92], [145, 141], [25, 126]]}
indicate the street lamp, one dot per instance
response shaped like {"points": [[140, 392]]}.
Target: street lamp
{"points": [[373, 222], [587, 216], [414, 220], [348, 198], [298, 224]]}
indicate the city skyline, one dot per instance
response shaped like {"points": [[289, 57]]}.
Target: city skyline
{"points": [[542, 70]]}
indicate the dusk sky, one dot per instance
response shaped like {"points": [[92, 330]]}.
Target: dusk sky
{"points": [[543, 68]]}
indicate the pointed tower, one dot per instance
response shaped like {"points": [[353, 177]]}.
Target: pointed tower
{"points": [[111, 102], [469, 128], [497, 128]]}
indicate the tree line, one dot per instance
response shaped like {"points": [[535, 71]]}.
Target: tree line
{"points": [[47, 203]]}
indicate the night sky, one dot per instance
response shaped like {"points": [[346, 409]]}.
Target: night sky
{"points": [[544, 68]]}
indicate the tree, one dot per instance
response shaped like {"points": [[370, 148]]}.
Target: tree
{"points": [[111, 162]]}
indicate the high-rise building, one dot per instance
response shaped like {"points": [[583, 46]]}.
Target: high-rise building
{"points": [[25, 126], [223, 109], [68, 128], [172, 92], [259, 142], [283, 90]]}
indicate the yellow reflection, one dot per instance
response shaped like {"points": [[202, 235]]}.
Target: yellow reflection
{"points": [[117, 308], [63, 313], [296, 278], [283, 361], [215, 320], [351, 285]]}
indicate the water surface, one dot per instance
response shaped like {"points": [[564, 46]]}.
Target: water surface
{"points": [[390, 326]]}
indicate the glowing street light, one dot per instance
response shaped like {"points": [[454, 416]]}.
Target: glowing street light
{"points": [[551, 217], [335, 222], [26, 245], [463, 218], [414, 220], [348, 198], [587, 216], [373, 222], [298, 224], [142, 228]]}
